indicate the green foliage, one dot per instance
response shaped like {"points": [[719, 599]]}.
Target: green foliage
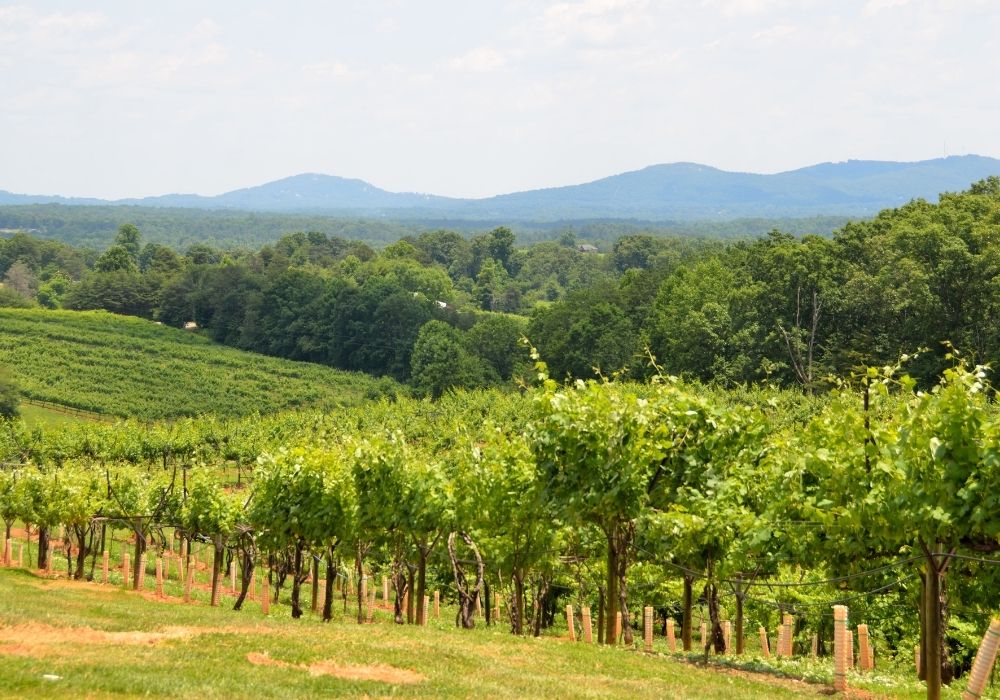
{"points": [[9, 395]]}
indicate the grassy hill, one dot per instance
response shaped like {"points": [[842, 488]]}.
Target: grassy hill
{"points": [[123, 366], [62, 639]]}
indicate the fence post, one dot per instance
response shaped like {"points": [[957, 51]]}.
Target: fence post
{"points": [[125, 569], [727, 633], [569, 623], [437, 604], [840, 648], [142, 572], [765, 648], [426, 610], [789, 635], [850, 648], [815, 645], [265, 593], [183, 561], [703, 630], [385, 589], [588, 633], [863, 648], [20, 555], [159, 577], [671, 638], [983, 663], [916, 658], [188, 584], [104, 565], [618, 627], [232, 576], [647, 627]]}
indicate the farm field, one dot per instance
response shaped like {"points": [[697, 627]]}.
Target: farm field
{"points": [[130, 367], [61, 638]]}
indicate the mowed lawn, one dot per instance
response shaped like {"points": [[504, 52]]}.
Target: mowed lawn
{"points": [[67, 639]]}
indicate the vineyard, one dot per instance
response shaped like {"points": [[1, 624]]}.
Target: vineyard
{"points": [[756, 529], [124, 366]]}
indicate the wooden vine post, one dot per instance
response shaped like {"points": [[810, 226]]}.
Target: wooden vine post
{"points": [[425, 613], [437, 605], [765, 648], [188, 584], [727, 633], [618, 627], [850, 648], [787, 635], [265, 593], [840, 649], [569, 623], [588, 632], [647, 627], [183, 560], [703, 632], [385, 589], [983, 663], [105, 564], [20, 555], [159, 577], [232, 576], [142, 572], [864, 651], [815, 645], [7, 552], [671, 637], [125, 569]]}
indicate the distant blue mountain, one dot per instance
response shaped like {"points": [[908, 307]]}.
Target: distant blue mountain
{"points": [[670, 192]]}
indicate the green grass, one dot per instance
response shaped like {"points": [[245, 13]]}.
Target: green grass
{"points": [[42, 417], [129, 367], [480, 663], [46, 627]]}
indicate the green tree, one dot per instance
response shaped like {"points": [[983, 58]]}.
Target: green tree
{"points": [[441, 361], [129, 238], [117, 258]]}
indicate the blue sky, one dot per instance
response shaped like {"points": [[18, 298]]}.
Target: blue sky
{"points": [[117, 99]]}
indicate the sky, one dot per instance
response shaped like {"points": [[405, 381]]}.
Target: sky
{"points": [[475, 98]]}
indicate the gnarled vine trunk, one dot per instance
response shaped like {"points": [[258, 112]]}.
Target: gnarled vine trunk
{"points": [[466, 595]]}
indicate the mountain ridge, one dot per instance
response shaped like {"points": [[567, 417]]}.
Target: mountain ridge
{"points": [[658, 192]]}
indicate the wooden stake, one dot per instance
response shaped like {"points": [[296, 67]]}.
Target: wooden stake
{"points": [[779, 642], [159, 577], [385, 589], [265, 594], [183, 562], [727, 633], [569, 623], [588, 633], [232, 576], [815, 646], [983, 663], [437, 605], [916, 658], [125, 569], [188, 584], [104, 565], [840, 648], [704, 634], [8, 557], [618, 627], [371, 606], [647, 627], [788, 636], [671, 637], [850, 648], [765, 648], [20, 555], [142, 571], [252, 590], [863, 655], [426, 612]]}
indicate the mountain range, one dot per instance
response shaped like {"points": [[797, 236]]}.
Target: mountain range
{"points": [[667, 192]]}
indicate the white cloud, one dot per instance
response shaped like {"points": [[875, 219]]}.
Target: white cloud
{"points": [[873, 7], [479, 60], [777, 31]]}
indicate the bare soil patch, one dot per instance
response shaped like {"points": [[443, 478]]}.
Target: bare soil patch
{"points": [[353, 672], [35, 639]]}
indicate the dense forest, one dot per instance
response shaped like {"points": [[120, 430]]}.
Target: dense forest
{"points": [[439, 309], [178, 228]]}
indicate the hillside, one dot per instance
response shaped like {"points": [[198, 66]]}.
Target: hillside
{"points": [[125, 366], [674, 191]]}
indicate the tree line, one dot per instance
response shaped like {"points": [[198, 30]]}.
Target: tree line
{"points": [[441, 310]]}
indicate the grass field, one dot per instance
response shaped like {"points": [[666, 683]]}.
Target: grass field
{"points": [[123, 366], [62, 638], [42, 417]]}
